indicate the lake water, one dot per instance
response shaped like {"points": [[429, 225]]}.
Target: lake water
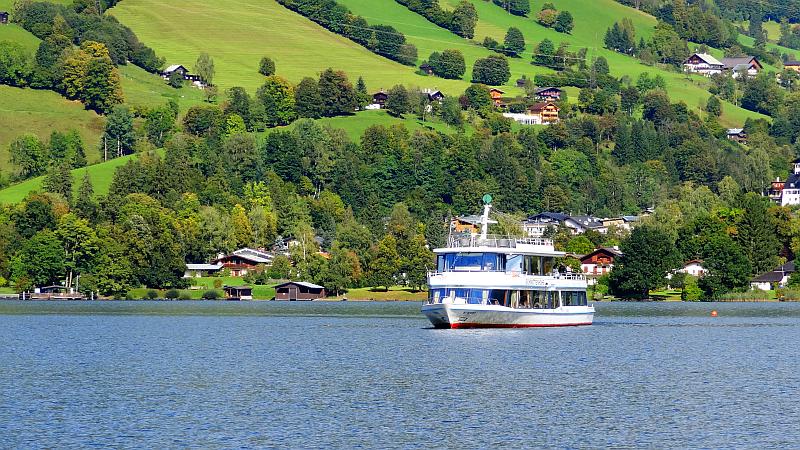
{"points": [[373, 375]]}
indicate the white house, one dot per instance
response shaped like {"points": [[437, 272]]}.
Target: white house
{"points": [[535, 226], [694, 268], [201, 270], [524, 118], [704, 64], [790, 195], [775, 278]]}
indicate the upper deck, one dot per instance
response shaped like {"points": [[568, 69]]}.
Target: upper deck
{"points": [[500, 244]]}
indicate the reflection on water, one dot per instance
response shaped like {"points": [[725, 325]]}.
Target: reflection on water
{"points": [[261, 374]]}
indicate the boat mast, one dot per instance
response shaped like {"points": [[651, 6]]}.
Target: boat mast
{"points": [[487, 206]]}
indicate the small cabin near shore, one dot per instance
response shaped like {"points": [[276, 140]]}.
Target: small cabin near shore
{"points": [[235, 293], [299, 291]]}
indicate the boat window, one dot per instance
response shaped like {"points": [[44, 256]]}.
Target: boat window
{"points": [[538, 299], [514, 263], [440, 263], [547, 264], [472, 262], [498, 297], [532, 265], [436, 295], [552, 299], [574, 298]]}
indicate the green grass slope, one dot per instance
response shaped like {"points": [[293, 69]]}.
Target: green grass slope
{"points": [[237, 33], [101, 175], [42, 112]]}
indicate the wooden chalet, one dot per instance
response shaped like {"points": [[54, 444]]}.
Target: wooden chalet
{"points": [[468, 224], [748, 66], [379, 98], [704, 64], [299, 291], [737, 135], [196, 80], [426, 68], [236, 293], [243, 261], [497, 96], [546, 111], [3, 17], [548, 93], [775, 191], [600, 261]]}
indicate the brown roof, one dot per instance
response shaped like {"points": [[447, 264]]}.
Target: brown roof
{"points": [[541, 106]]}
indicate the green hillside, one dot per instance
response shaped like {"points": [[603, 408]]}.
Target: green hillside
{"points": [[101, 175], [238, 33], [42, 112]]}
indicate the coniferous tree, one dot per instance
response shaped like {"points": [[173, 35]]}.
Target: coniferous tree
{"points": [[514, 42]]}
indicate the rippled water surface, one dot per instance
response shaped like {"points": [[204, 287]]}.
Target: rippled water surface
{"points": [[233, 375]]}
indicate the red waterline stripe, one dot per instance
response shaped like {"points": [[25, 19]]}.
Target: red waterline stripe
{"points": [[513, 325]]}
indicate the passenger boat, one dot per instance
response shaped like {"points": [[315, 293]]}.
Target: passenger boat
{"points": [[485, 281]]}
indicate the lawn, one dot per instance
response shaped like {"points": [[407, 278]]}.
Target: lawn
{"points": [[201, 285]]}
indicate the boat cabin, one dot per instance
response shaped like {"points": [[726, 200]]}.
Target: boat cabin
{"points": [[494, 262], [511, 298]]}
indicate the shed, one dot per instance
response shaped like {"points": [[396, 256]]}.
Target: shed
{"points": [[426, 68], [299, 291], [3, 17], [238, 293]]}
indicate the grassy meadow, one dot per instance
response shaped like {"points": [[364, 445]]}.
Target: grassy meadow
{"points": [[101, 175]]}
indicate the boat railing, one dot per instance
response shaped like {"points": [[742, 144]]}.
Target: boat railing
{"points": [[553, 275], [495, 241]]}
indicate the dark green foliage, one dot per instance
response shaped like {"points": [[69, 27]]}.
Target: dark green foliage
{"points": [[151, 294], [648, 255], [46, 20], [118, 138], [460, 20], [564, 22], [514, 42], [266, 67], [59, 181], [203, 121], [14, 64], [448, 64], [172, 294], [516, 7], [308, 99], [211, 295], [338, 96], [381, 39], [714, 106], [399, 100], [176, 80], [621, 37], [726, 264], [477, 96], [544, 55], [29, 155], [757, 234], [492, 70]]}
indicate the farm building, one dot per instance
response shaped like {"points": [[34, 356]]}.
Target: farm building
{"points": [[792, 65], [184, 73], [704, 64], [747, 66], [600, 261], [3, 17], [737, 135], [546, 111], [299, 291], [497, 96]]}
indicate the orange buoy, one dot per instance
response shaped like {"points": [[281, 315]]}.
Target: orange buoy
{"points": [[714, 313]]}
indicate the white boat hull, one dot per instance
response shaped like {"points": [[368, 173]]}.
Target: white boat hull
{"points": [[448, 315]]}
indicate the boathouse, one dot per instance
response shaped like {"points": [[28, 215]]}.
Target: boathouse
{"points": [[299, 291], [238, 292]]}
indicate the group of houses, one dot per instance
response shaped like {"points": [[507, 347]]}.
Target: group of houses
{"points": [[787, 193], [538, 224], [183, 72], [545, 111], [707, 65]]}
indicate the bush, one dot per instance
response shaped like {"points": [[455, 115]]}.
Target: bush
{"points": [[151, 294], [217, 283], [172, 294], [184, 296], [211, 295]]}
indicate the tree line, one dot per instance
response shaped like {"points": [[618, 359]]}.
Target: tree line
{"points": [[461, 20], [383, 40]]}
